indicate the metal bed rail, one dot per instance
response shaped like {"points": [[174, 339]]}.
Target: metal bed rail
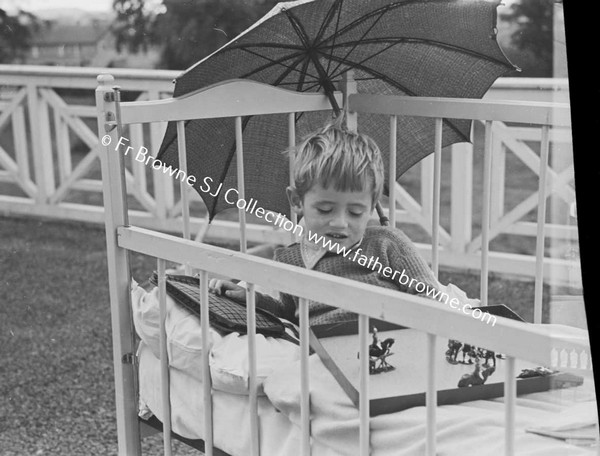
{"points": [[242, 98]]}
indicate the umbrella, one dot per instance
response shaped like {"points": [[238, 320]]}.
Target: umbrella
{"points": [[433, 48]]}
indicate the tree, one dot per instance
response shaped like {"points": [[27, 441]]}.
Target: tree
{"points": [[15, 34], [133, 25], [188, 30], [533, 34]]}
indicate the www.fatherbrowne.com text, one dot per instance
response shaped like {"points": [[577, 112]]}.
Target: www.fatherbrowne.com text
{"points": [[250, 206]]}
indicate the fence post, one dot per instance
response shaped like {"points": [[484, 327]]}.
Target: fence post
{"points": [[39, 123], [115, 199]]}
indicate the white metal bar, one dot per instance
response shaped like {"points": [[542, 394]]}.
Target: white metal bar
{"points": [[252, 382], [304, 378], [485, 212], [239, 150], [431, 396], [541, 113], [528, 342], [206, 380], [427, 171], [510, 403], [251, 98], [461, 196], [119, 277], [137, 167], [541, 225], [183, 186], [435, 216], [163, 185], [164, 357], [363, 405], [392, 171], [291, 145], [498, 177]]}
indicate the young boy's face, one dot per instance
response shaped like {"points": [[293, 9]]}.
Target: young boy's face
{"points": [[338, 216]]}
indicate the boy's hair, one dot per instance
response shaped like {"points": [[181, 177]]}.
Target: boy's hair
{"points": [[336, 157]]}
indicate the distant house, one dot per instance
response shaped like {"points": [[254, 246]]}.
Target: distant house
{"points": [[83, 43], [57, 43]]}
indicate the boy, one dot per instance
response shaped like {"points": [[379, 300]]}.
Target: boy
{"points": [[338, 178]]}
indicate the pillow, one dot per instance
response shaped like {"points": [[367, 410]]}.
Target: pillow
{"points": [[229, 361], [183, 330]]}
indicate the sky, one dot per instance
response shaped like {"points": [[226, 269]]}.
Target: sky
{"points": [[36, 5], [87, 5]]}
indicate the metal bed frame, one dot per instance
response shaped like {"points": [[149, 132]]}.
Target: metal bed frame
{"points": [[239, 98]]}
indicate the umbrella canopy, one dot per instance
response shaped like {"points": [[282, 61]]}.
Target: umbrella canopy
{"points": [[432, 48]]}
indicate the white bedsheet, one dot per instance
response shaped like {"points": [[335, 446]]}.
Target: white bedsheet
{"points": [[473, 428], [231, 422]]}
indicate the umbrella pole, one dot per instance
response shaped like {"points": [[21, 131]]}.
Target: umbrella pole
{"points": [[383, 219]]}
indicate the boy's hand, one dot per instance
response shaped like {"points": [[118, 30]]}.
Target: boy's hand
{"points": [[227, 288]]}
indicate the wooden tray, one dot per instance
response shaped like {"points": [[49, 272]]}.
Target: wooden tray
{"points": [[404, 386]]}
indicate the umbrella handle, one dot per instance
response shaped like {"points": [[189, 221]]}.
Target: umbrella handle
{"points": [[383, 219]]}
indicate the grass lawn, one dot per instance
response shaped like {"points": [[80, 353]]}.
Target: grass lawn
{"points": [[55, 337]]}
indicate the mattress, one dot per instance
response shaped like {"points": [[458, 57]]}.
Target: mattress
{"points": [[231, 418], [475, 427]]}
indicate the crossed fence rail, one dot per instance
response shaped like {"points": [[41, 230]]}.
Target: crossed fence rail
{"points": [[49, 165]]}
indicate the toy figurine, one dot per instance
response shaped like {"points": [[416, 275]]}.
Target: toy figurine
{"points": [[487, 355], [379, 352], [452, 352], [470, 351], [478, 376]]}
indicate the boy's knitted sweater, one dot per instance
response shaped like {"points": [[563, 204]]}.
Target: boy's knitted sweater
{"points": [[382, 247]]}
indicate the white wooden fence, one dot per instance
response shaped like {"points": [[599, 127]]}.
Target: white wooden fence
{"points": [[45, 123]]}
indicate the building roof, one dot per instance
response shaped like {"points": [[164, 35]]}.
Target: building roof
{"points": [[57, 34]]}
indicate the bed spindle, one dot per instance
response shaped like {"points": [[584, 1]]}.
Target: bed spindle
{"points": [[114, 192], [510, 401], [304, 378], [431, 396], [541, 226], [392, 171], [239, 150], [435, 216], [163, 184], [363, 405], [252, 386], [138, 168], [291, 144], [164, 360], [485, 212], [183, 186], [206, 380]]}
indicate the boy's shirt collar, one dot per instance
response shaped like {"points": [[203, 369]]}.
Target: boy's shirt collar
{"points": [[312, 253]]}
